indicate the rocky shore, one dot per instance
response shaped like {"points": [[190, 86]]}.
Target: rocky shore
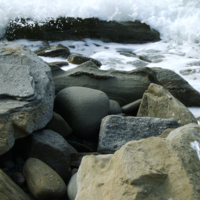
{"points": [[88, 134]]}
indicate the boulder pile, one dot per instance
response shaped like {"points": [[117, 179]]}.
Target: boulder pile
{"points": [[104, 135]]}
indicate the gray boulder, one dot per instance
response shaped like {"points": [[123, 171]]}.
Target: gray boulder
{"points": [[72, 187], [26, 93], [52, 149], [178, 87], [117, 130], [114, 108], [158, 102], [121, 86], [83, 108]]}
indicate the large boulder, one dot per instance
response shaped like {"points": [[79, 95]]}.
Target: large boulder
{"points": [[52, 149], [178, 87], [158, 102], [42, 181], [9, 190], [83, 108], [148, 169], [26, 93], [121, 86], [118, 130]]}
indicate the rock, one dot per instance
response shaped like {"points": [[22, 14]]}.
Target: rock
{"points": [[131, 107], [166, 132], [58, 63], [72, 187], [77, 29], [42, 181], [26, 94], [78, 59], [52, 149], [54, 51], [9, 190], [158, 102], [83, 108], [114, 108], [178, 87], [59, 125], [19, 178], [117, 130], [121, 86], [148, 169]]}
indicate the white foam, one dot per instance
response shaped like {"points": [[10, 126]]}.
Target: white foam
{"points": [[196, 146]]}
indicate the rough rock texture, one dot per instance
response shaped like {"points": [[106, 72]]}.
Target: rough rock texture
{"points": [[72, 187], [158, 102], [54, 51], [83, 108], [117, 130], [178, 87], [121, 86], [149, 169], [114, 108], [9, 190], [59, 125], [78, 29], [42, 181], [52, 149], [26, 93], [78, 59]]}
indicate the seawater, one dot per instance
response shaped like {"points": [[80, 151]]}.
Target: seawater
{"points": [[177, 21]]}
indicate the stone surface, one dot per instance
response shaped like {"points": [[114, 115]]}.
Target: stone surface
{"points": [[79, 59], [158, 102], [52, 149], [54, 51], [72, 187], [26, 93], [78, 29], [83, 108], [42, 181], [131, 107], [121, 86], [9, 190], [178, 87], [114, 108], [59, 125], [117, 130], [149, 169]]}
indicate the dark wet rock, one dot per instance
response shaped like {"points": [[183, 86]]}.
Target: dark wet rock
{"points": [[52, 149], [58, 63], [178, 87], [54, 51], [78, 59], [26, 94], [117, 130], [158, 102], [189, 72], [121, 86], [152, 58], [77, 29], [59, 125], [19, 178], [138, 63], [126, 52], [114, 108], [83, 108], [131, 107]]}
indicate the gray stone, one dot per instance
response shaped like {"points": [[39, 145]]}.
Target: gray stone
{"points": [[158, 102], [26, 93], [72, 187], [178, 87], [121, 86], [52, 149], [117, 130], [79, 59], [114, 108], [131, 106], [83, 108]]}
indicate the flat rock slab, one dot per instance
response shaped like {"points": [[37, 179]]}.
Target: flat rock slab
{"points": [[116, 131]]}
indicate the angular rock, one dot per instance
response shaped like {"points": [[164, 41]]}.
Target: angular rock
{"points": [[72, 187], [54, 51], [121, 86], [26, 93], [158, 102], [114, 108], [149, 169], [59, 125], [9, 190], [77, 29], [78, 59], [42, 181], [117, 130], [178, 87], [83, 108], [52, 149]]}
